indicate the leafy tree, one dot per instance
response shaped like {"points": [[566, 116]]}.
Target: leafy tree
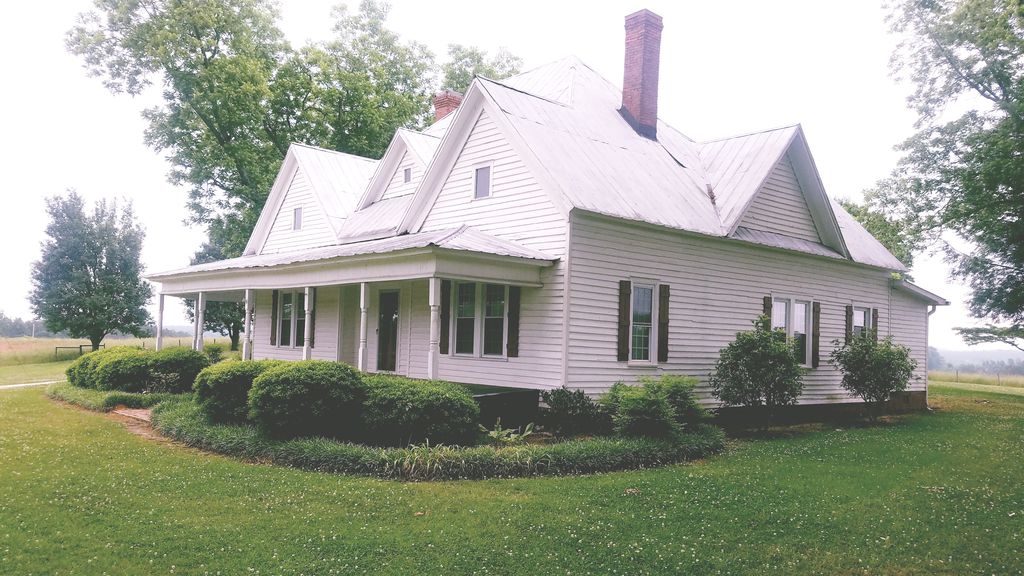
{"points": [[465, 62], [935, 359], [873, 369], [900, 237], [964, 176], [225, 318], [1012, 335], [88, 278], [759, 368]]}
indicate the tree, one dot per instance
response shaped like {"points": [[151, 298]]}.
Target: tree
{"points": [[873, 369], [935, 359], [901, 238], [964, 177], [88, 278], [465, 62], [225, 318]]}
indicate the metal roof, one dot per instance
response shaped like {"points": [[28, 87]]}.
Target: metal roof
{"points": [[337, 178], [920, 293], [782, 241], [376, 220], [423, 146]]}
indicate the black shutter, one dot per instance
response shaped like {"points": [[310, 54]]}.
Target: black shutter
{"points": [[663, 298], [622, 344], [514, 296], [273, 318], [874, 323], [312, 319], [446, 313], [849, 323], [816, 337], [766, 307]]}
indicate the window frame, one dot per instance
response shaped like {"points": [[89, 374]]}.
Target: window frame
{"points": [[868, 316], [406, 175], [791, 303], [297, 297], [652, 341], [490, 180], [479, 318], [297, 218]]}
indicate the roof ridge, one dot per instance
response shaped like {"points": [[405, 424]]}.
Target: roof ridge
{"points": [[338, 152], [744, 135]]}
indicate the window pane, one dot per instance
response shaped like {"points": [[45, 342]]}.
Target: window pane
{"points": [[465, 300], [494, 300], [464, 335], [643, 300], [800, 344], [465, 317], [297, 219], [407, 175], [286, 319], [860, 317], [494, 319], [300, 319], [482, 182], [801, 330], [780, 314], [641, 348], [642, 304]]}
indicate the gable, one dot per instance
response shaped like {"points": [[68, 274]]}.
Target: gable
{"points": [[779, 206], [397, 186], [315, 230]]}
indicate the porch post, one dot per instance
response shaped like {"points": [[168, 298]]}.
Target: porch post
{"points": [[364, 302], [200, 309], [247, 326], [434, 348], [160, 323], [308, 333]]}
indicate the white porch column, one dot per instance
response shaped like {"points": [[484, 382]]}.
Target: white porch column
{"points": [[200, 309], [364, 303], [159, 323], [247, 326], [307, 336], [434, 347]]}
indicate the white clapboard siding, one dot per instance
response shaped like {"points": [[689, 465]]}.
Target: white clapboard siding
{"points": [[717, 289], [907, 316], [315, 230], [325, 341], [780, 207], [521, 211], [398, 186]]}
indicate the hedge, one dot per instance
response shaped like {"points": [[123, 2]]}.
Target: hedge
{"points": [[182, 420], [174, 369], [82, 372], [308, 398], [400, 411], [222, 390], [105, 401], [127, 370]]}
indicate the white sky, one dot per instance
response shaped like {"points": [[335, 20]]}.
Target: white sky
{"points": [[726, 68]]}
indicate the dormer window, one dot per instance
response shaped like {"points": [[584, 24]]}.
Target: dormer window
{"points": [[297, 218], [407, 175], [482, 182]]}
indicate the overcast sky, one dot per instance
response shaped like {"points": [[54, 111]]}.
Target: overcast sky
{"points": [[726, 68]]}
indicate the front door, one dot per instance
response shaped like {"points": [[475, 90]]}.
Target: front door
{"points": [[387, 331]]}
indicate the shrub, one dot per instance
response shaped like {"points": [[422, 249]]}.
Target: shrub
{"points": [[400, 411], [759, 368], [679, 392], [175, 369], [308, 398], [644, 411], [572, 412], [214, 351], [873, 369], [127, 370], [222, 390], [82, 372]]}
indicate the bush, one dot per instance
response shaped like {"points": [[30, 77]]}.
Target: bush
{"points": [[82, 372], [400, 411], [644, 411], [127, 370], [222, 390], [759, 368], [175, 369], [572, 412], [873, 369], [183, 421], [214, 351], [308, 398], [679, 392]]}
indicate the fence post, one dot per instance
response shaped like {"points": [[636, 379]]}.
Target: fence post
{"points": [[957, 376]]}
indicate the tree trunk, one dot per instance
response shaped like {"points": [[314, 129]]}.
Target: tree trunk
{"points": [[95, 340], [234, 332]]}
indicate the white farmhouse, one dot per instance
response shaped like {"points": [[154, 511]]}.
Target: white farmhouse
{"points": [[548, 230]]}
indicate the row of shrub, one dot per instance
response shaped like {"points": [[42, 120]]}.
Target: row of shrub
{"points": [[105, 400], [129, 369], [187, 423], [333, 400]]}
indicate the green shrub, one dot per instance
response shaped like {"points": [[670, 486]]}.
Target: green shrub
{"points": [[645, 411], [400, 411], [759, 368], [214, 351], [174, 369], [185, 422], [679, 392], [222, 390], [572, 412], [82, 372], [123, 368], [873, 369], [308, 398]]}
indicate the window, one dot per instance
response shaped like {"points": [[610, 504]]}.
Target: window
{"points": [[641, 315], [861, 320], [794, 318], [291, 319], [407, 175], [482, 182], [480, 319], [297, 218]]}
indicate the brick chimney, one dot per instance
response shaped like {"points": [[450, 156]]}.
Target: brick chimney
{"points": [[640, 78], [445, 102]]}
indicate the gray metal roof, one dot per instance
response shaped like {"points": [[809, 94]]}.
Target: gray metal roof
{"points": [[337, 178]]}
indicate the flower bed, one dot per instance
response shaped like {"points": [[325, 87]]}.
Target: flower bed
{"points": [[105, 400]]}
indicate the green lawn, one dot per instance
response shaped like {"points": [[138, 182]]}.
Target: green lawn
{"points": [[23, 373], [931, 493]]}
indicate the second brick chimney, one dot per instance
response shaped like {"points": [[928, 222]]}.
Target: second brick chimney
{"points": [[445, 102], [640, 78]]}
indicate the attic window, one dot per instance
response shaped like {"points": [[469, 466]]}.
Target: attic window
{"points": [[297, 218], [407, 175], [482, 182]]}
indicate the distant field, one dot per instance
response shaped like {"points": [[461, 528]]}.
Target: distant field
{"points": [[18, 351], [984, 379]]}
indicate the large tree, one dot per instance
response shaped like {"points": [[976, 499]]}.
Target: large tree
{"points": [[465, 62], [88, 278], [961, 179]]}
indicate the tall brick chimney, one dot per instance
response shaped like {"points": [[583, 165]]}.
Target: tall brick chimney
{"points": [[445, 102], [640, 78]]}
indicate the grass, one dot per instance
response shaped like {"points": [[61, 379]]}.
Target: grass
{"points": [[19, 351], [24, 373], [928, 493], [105, 400], [983, 379]]}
